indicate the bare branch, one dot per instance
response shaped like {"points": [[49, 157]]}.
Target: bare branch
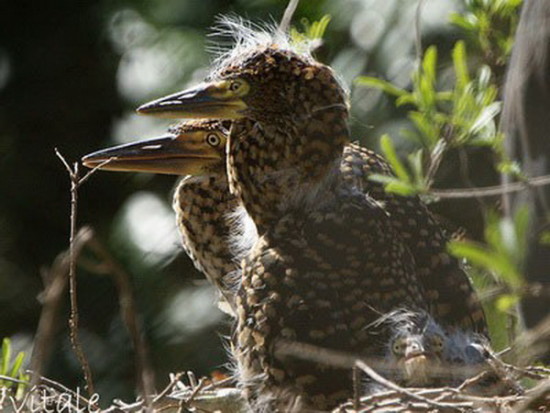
{"points": [[74, 317], [418, 30], [391, 385], [284, 26], [129, 316], [65, 163], [93, 170], [491, 190], [55, 285]]}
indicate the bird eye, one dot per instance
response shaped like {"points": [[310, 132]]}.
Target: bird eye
{"points": [[438, 342], [212, 139], [235, 85], [398, 346]]}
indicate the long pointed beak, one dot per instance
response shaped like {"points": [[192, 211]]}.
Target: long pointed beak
{"points": [[206, 101], [169, 154]]}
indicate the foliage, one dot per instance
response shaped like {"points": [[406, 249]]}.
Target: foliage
{"points": [[311, 31], [491, 25], [460, 117], [12, 369], [463, 115], [501, 256]]}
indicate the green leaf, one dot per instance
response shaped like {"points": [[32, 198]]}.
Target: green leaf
{"points": [[483, 257], [544, 238], [429, 129], [6, 356], [429, 64], [460, 65], [405, 99], [381, 84], [318, 28], [400, 188], [393, 184], [444, 96], [383, 179], [18, 362], [506, 302], [415, 161], [486, 116], [388, 149], [477, 254]]}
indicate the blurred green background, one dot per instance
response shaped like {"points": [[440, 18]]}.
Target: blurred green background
{"points": [[71, 75]]}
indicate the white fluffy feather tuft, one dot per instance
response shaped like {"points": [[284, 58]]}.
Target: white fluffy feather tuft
{"points": [[244, 235], [236, 39]]}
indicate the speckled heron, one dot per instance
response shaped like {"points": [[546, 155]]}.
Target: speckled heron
{"points": [[330, 258], [208, 215]]}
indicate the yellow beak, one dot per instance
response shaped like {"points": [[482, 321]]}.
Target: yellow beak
{"points": [[207, 101], [185, 154]]}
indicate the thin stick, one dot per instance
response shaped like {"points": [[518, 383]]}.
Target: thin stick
{"points": [[55, 284], [64, 389], [391, 385], [490, 190], [129, 313], [74, 316], [418, 31], [284, 26], [170, 386]]}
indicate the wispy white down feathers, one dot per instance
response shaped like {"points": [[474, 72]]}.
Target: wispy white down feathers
{"points": [[236, 39]]}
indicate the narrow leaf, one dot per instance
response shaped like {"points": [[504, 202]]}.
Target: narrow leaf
{"points": [[388, 149], [460, 65], [380, 84]]}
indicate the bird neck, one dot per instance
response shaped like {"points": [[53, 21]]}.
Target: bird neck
{"points": [[278, 166], [204, 210]]}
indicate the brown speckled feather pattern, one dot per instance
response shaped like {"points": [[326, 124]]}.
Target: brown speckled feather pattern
{"points": [[449, 292], [203, 208], [334, 250]]}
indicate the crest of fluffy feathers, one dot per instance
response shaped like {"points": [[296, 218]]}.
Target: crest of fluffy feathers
{"points": [[235, 39]]}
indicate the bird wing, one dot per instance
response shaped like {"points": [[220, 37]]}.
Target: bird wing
{"points": [[321, 278], [448, 288]]}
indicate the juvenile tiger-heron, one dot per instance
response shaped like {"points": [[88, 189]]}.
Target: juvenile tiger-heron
{"points": [[214, 229], [329, 258]]}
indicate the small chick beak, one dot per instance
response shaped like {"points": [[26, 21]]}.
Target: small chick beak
{"points": [[185, 154], [416, 363], [206, 101], [414, 349]]}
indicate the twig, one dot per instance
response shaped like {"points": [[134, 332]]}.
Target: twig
{"points": [[64, 389], [175, 379], [391, 385], [73, 319], [540, 393], [287, 16], [472, 380], [13, 380], [196, 389], [343, 360], [491, 190], [418, 31], [129, 316], [55, 284], [76, 181]]}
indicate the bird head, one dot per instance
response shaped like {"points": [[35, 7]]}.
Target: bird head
{"points": [[415, 345], [261, 78], [190, 148]]}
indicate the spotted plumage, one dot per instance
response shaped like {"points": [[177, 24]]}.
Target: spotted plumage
{"points": [[330, 257], [214, 229], [326, 251]]}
